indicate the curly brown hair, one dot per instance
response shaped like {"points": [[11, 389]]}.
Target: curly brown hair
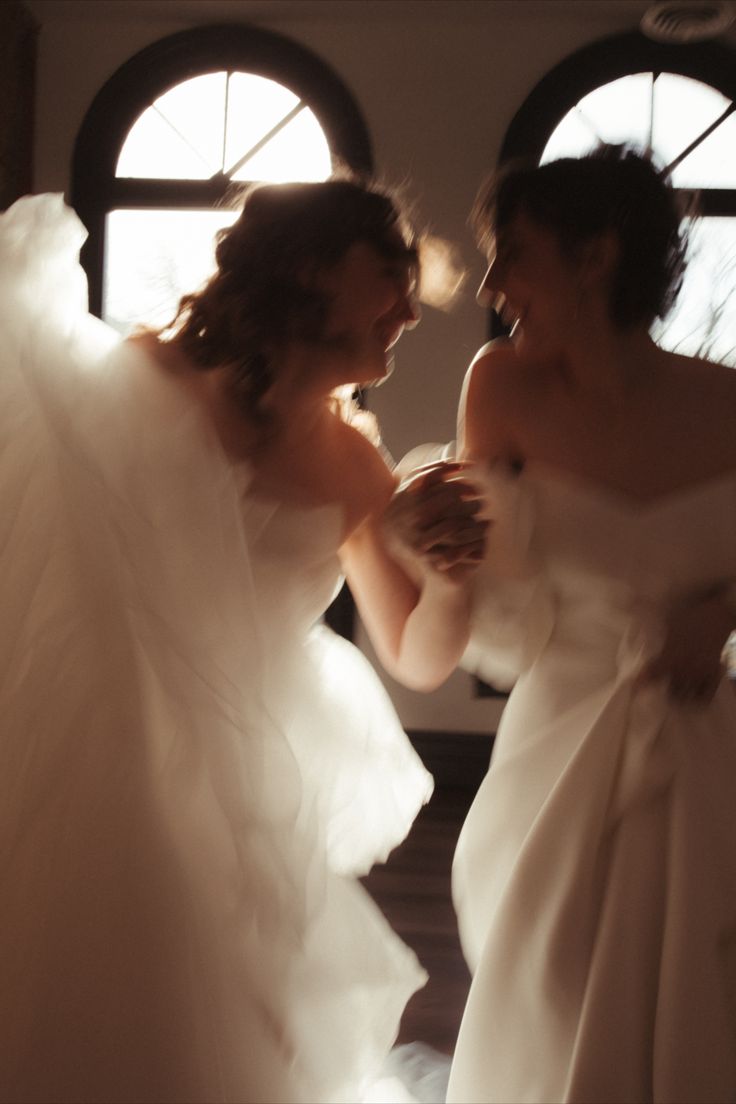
{"points": [[260, 296], [612, 188]]}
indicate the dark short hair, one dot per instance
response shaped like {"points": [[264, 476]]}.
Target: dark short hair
{"points": [[258, 297], [612, 188]]}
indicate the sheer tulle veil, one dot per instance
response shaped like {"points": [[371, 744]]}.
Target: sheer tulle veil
{"points": [[158, 899]]}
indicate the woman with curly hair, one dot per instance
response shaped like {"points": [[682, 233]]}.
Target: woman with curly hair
{"points": [[194, 770]]}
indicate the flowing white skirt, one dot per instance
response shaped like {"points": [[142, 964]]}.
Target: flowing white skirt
{"points": [[174, 925]]}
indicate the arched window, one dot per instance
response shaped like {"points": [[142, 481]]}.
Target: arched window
{"points": [[164, 141], [170, 133], [679, 102]]}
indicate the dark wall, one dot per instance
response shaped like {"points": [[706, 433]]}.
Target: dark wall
{"points": [[17, 78]]}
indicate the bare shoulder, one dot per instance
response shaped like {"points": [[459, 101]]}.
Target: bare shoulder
{"points": [[367, 482], [494, 360], [495, 393]]}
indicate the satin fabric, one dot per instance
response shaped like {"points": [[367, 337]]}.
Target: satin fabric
{"points": [[595, 875]]}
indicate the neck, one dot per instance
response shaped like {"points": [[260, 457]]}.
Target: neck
{"points": [[300, 398]]}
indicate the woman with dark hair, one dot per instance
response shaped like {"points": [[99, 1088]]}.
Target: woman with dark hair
{"points": [[595, 875], [194, 772]]}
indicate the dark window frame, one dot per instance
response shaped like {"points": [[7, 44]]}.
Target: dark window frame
{"points": [[95, 190], [603, 61]]}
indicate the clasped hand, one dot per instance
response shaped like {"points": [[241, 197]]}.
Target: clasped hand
{"points": [[434, 517]]}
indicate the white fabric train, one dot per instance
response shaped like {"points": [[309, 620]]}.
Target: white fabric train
{"points": [[188, 786]]}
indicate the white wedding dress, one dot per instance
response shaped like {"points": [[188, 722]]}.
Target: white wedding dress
{"points": [[193, 773], [595, 876]]}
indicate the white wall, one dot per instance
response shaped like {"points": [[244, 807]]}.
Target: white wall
{"points": [[438, 82]]}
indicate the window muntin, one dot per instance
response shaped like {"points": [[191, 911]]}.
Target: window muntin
{"points": [[234, 124], [663, 112]]}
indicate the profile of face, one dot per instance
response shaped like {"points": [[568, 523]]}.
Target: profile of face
{"points": [[533, 283], [370, 303]]}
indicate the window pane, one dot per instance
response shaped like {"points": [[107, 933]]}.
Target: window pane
{"points": [[573, 137], [152, 258], [712, 164], [620, 109], [298, 152], [703, 322], [615, 112], [683, 109], [181, 135], [247, 126]]}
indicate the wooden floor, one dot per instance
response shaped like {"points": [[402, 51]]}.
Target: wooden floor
{"points": [[413, 887]]}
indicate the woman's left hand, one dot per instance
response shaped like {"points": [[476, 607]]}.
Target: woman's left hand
{"points": [[691, 659]]}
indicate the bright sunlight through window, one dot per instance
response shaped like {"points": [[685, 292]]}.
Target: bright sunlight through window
{"points": [[232, 126], [691, 128]]}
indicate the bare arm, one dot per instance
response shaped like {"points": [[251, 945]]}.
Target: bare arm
{"points": [[410, 564], [415, 609], [410, 569], [418, 628], [385, 594]]}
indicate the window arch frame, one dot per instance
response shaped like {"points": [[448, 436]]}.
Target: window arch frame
{"points": [[96, 190], [603, 61]]}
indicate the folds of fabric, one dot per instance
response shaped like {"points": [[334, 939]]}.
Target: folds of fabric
{"points": [[513, 606], [595, 876], [171, 929]]}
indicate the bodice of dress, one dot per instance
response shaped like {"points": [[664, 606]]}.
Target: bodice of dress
{"points": [[294, 561], [594, 879], [594, 570], [599, 543]]}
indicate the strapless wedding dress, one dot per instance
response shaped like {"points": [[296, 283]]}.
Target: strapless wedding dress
{"points": [[193, 771], [595, 876]]}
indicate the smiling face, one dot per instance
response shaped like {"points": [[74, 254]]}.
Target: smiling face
{"points": [[371, 302], [533, 284]]}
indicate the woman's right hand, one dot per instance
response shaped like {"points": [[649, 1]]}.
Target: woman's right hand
{"points": [[434, 518]]}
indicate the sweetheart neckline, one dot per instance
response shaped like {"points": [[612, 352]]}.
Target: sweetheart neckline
{"points": [[551, 473]]}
